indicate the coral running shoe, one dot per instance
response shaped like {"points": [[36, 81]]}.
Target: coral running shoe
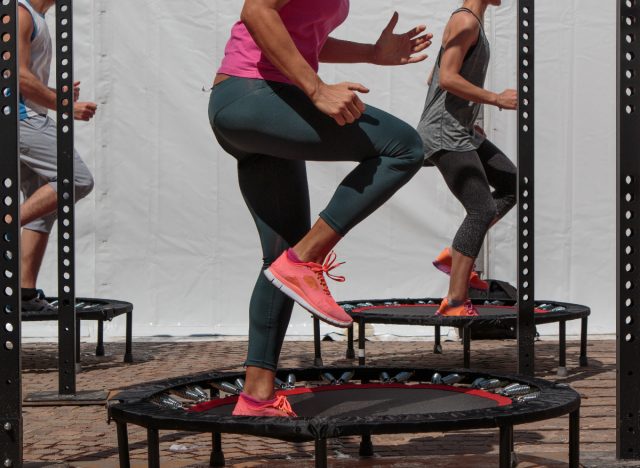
{"points": [[466, 309], [443, 263], [278, 407], [305, 284]]}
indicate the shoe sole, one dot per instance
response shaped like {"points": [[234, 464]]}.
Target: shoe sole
{"points": [[446, 269], [293, 295]]}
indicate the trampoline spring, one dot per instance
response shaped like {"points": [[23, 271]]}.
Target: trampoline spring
{"points": [[277, 383], [452, 379], [420, 302], [348, 307], [227, 387], [291, 380], [167, 402], [515, 390], [401, 377], [197, 390], [558, 309], [431, 302], [190, 393], [436, 379], [490, 384], [384, 377], [239, 383], [329, 378], [528, 397], [80, 305], [478, 382], [345, 377]]}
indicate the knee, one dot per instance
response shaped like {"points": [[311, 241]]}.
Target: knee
{"points": [[487, 215], [412, 153], [84, 186]]}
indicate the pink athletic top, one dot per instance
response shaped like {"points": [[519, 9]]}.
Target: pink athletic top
{"points": [[309, 23]]}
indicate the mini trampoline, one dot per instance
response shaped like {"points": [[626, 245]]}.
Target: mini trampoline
{"points": [[494, 314], [99, 310], [336, 402]]}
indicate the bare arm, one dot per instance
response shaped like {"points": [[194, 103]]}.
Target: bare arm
{"points": [[30, 86], [462, 35], [389, 49], [263, 21]]}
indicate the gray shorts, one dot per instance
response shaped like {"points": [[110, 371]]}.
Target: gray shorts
{"points": [[38, 165]]}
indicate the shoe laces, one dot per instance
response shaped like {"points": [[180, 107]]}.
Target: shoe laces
{"points": [[283, 405], [469, 309], [325, 269]]}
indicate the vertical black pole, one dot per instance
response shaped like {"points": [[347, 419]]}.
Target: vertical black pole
{"points": [[628, 230], [66, 198], [10, 363], [526, 321]]}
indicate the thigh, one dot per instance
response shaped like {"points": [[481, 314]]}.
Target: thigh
{"points": [[38, 148], [501, 172], [277, 195], [279, 120], [465, 176]]}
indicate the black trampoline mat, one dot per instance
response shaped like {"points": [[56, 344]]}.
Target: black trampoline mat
{"points": [[381, 400], [430, 310]]}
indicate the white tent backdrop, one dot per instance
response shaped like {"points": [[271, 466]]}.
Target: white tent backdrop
{"points": [[166, 227]]}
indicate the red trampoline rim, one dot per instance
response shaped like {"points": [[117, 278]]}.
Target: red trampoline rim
{"points": [[501, 400]]}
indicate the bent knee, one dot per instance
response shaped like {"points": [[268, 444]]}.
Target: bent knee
{"points": [[412, 153], [84, 187]]}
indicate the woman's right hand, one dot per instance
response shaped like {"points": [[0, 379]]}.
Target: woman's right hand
{"points": [[340, 101], [508, 99]]}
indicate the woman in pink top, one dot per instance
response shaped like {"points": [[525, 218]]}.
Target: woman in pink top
{"points": [[271, 111]]}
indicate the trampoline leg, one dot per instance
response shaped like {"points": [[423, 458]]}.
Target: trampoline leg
{"points": [[562, 365], [153, 446], [437, 345], [466, 346], [317, 359], [123, 445], [506, 446], [583, 343], [321, 453], [100, 345], [128, 355], [361, 343], [351, 353], [574, 439], [366, 446], [217, 455]]}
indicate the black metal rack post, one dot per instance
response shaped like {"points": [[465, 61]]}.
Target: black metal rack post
{"points": [[66, 199], [526, 320], [10, 379], [628, 230]]}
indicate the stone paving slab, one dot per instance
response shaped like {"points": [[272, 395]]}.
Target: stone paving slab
{"points": [[79, 436]]}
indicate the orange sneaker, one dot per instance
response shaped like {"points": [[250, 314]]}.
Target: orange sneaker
{"points": [[443, 263], [305, 284], [466, 309], [278, 407]]}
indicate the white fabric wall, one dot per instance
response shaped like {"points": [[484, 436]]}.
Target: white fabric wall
{"points": [[166, 227]]}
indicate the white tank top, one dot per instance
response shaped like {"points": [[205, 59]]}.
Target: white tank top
{"points": [[40, 64]]}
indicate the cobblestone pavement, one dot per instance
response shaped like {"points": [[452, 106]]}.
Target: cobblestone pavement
{"points": [[80, 436]]}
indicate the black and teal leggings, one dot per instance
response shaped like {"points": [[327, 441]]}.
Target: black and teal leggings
{"points": [[272, 129]]}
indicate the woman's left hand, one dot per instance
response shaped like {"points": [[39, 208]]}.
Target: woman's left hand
{"points": [[399, 49]]}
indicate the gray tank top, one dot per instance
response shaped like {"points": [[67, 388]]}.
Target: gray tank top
{"points": [[41, 55], [447, 122]]}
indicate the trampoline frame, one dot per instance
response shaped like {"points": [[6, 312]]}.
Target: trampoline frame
{"points": [[106, 310], [11, 423], [132, 407], [464, 323]]}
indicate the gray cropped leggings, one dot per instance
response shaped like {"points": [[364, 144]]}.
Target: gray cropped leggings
{"points": [[272, 129], [470, 176]]}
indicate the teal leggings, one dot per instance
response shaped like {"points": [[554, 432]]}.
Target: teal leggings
{"points": [[272, 129]]}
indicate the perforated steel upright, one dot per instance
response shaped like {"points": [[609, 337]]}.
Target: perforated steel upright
{"points": [[66, 197], [526, 151], [10, 382], [628, 230]]}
